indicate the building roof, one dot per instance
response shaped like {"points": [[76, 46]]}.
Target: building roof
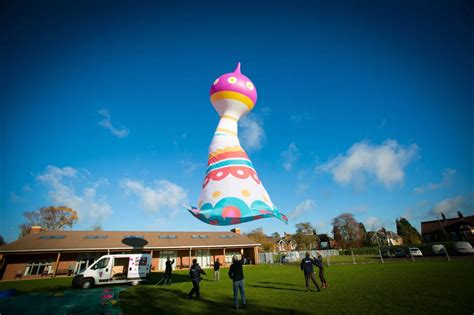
{"points": [[47, 241], [433, 226]]}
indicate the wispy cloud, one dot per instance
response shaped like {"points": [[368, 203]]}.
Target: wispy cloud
{"points": [[63, 184], [450, 206], [252, 133], [189, 166], [305, 206], [162, 194], [372, 223], [290, 156], [299, 117], [106, 122], [446, 181], [386, 162], [382, 123]]}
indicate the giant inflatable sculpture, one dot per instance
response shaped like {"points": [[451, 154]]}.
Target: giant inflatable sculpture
{"points": [[232, 193]]}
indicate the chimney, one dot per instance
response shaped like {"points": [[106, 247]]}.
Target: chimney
{"points": [[443, 216], [460, 215], [235, 230], [35, 229]]}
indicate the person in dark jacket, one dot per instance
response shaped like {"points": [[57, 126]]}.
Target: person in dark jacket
{"points": [[236, 273], [308, 270], [168, 269], [319, 263], [195, 273], [217, 268]]}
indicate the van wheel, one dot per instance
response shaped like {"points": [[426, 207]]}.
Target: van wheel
{"points": [[135, 283], [87, 283]]}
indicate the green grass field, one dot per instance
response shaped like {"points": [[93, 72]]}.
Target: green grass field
{"points": [[393, 288]]}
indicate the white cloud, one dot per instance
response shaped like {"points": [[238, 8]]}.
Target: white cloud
{"points": [[106, 122], [63, 183], [386, 162], [450, 206], [252, 133], [448, 175], [163, 194], [302, 208]]}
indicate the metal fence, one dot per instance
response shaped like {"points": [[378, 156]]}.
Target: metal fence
{"points": [[364, 255]]}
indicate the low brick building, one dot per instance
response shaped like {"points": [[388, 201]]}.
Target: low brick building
{"points": [[52, 253]]}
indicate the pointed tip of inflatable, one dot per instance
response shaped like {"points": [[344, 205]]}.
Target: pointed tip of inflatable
{"points": [[237, 69]]}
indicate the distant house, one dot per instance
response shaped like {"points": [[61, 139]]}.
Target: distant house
{"points": [[283, 244], [52, 253], [386, 238], [454, 229]]}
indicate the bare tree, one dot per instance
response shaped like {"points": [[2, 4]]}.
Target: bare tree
{"points": [[50, 218], [347, 231], [259, 236], [305, 236]]}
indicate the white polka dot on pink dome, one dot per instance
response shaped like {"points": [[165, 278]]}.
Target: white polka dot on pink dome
{"points": [[240, 172], [217, 80], [219, 174], [232, 80]]}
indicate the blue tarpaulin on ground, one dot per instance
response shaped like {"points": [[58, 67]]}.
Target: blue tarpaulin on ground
{"points": [[73, 301]]}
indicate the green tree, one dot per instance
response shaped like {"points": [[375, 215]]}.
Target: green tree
{"points": [[2, 241], [305, 236], [53, 218], [407, 232], [346, 231]]}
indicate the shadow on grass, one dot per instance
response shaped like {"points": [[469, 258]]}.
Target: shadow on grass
{"points": [[278, 283], [275, 288], [158, 278], [144, 300]]}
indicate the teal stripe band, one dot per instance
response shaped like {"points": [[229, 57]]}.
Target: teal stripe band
{"points": [[229, 162]]}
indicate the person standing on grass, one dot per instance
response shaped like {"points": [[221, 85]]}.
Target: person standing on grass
{"points": [[236, 273], [195, 273], [217, 269], [319, 263], [308, 270], [168, 269]]}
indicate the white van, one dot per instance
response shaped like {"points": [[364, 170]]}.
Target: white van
{"points": [[111, 269]]}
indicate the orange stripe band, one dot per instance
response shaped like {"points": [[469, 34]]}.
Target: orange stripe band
{"points": [[233, 95]]}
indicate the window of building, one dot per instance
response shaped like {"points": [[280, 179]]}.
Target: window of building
{"points": [[95, 237], [49, 237], [227, 236], [168, 236], [38, 268], [133, 236], [199, 236]]}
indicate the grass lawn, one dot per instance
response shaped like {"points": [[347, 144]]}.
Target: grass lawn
{"points": [[422, 287], [392, 288]]}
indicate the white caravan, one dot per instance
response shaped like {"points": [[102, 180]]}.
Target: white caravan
{"points": [[111, 269]]}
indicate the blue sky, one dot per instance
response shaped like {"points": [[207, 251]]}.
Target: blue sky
{"points": [[363, 107]]}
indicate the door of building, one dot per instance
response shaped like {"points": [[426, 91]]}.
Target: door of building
{"points": [[203, 257], [163, 256]]}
